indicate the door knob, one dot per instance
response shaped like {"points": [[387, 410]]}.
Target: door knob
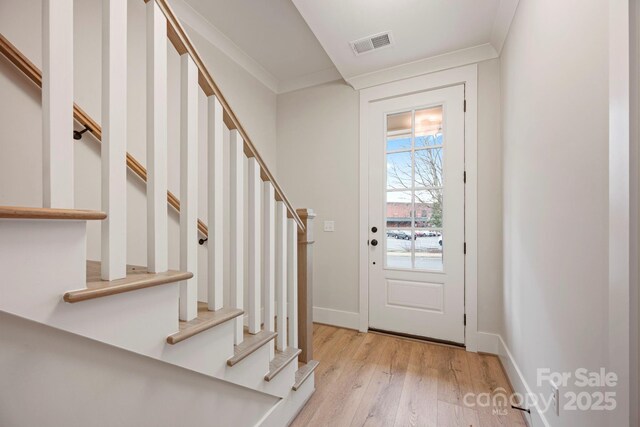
{"points": [[374, 242]]}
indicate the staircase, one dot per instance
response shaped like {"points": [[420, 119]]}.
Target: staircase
{"points": [[253, 330]]}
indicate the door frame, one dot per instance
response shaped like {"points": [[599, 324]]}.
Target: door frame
{"points": [[467, 75]]}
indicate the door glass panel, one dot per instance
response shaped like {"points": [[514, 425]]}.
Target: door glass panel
{"points": [[428, 168], [399, 131], [428, 208], [429, 127], [399, 223], [428, 252], [399, 171], [398, 209], [399, 248], [414, 189]]}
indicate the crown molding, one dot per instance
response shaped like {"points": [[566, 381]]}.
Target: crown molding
{"points": [[314, 79], [445, 61]]}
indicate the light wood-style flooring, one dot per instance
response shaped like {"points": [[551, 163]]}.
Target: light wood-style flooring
{"points": [[379, 380]]}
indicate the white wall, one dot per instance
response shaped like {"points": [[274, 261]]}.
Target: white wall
{"points": [[52, 377], [318, 158], [555, 130], [489, 198], [318, 168]]}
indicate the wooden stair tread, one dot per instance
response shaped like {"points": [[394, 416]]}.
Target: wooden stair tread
{"points": [[304, 372], [250, 343], [20, 212], [281, 359], [137, 278], [206, 320]]}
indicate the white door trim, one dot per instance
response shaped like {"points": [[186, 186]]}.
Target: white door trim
{"points": [[468, 76]]}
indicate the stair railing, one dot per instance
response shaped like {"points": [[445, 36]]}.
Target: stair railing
{"points": [[280, 238]]}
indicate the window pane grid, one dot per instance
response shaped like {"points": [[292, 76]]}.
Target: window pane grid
{"points": [[431, 147], [409, 150], [414, 201]]}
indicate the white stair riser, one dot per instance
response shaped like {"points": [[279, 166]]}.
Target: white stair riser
{"points": [[250, 371], [281, 384], [40, 261], [206, 352]]}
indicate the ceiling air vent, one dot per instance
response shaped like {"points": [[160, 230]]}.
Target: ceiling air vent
{"points": [[374, 42]]}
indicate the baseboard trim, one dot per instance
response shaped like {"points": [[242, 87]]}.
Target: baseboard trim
{"points": [[343, 319], [488, 343], [494, 344]]}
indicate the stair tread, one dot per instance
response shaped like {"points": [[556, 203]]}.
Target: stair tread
{"points": [[137, 278], [304, 372], [250, 343], [281, 359], [21, 212], [206, 320]]}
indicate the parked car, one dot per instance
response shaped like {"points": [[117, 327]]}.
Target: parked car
{"points": [[440, 240], [404, 235], [392, 233]]}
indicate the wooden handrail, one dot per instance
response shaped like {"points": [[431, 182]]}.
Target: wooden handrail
{"points": [[174, 31], [19, 212], [182, 43]]}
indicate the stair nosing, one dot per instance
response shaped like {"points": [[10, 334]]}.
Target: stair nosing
{"points": [[237, 358], [158, 279], [307, 371], [87, 294], [273, 372], [201, 327]]}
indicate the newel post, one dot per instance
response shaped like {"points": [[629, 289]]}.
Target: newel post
{"points": [[305, 285]]}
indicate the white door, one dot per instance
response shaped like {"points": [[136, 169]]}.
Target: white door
{"points": [[416, 214]]}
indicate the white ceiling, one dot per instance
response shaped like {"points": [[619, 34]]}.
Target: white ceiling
{"points": [[421, 29], [268, 37], [291, 44]]}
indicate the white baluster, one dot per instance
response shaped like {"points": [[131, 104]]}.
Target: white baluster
{"points": [[254, 249], [281, 275], [189, 187], [292, 281], [114, 139], [215, 186], [57, 103], [236, 231], [157, 239], [269, 259]]}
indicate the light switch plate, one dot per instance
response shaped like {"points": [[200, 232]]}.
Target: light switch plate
{"points": [[329, 226]]}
